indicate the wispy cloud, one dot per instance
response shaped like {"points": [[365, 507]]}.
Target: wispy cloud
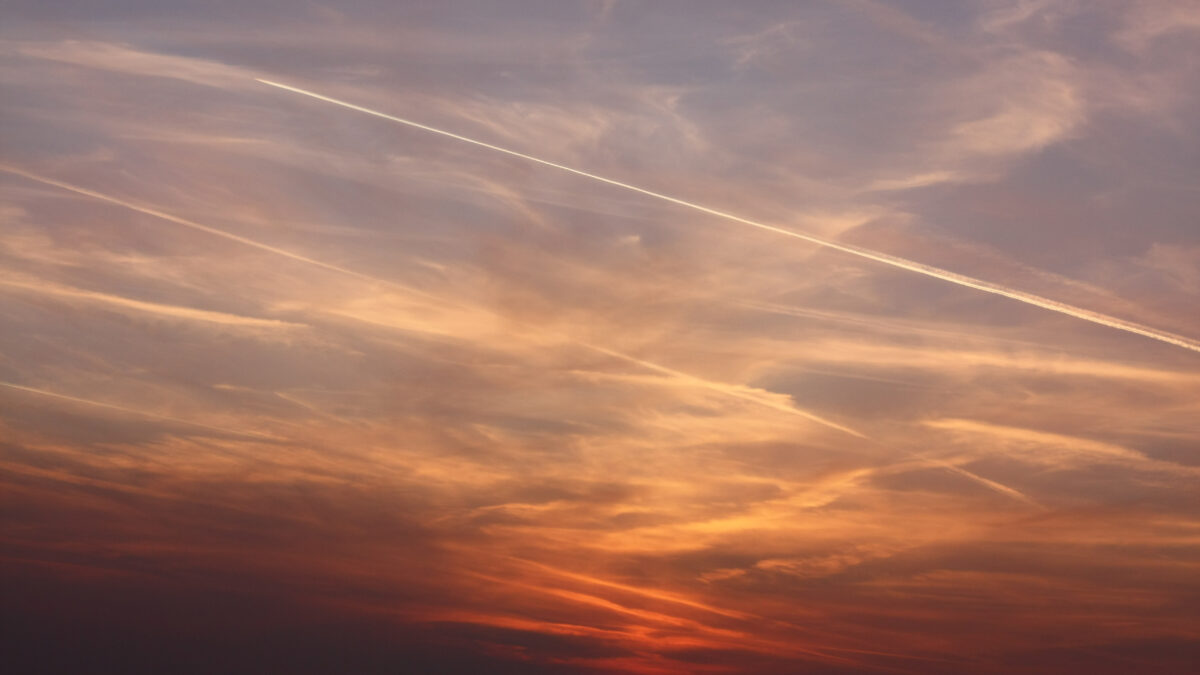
{"points": [[531, 400], [119, 302], [997, 134]]}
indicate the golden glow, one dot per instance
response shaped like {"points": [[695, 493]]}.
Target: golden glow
{"points": [[927, 270], [289, 389]]}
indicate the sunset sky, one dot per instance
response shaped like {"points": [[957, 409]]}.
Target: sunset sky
{"points": [[566, 336]]}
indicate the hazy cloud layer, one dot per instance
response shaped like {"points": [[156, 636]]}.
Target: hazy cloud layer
{"points": [[287, 386]]}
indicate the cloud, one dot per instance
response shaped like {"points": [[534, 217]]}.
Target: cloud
{"points": [[123, 303], [1037, 101], [128, 60], [1152, 21], [555, 426], [988, 132], [1058, 451]]}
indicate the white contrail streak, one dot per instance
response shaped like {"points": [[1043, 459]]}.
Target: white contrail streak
{"points": [[135, 411], [205, 228], [726, 389], [742, 393], [990, 484], [919, 268], [122, 302]]}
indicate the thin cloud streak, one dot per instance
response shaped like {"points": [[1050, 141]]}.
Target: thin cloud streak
{"points": [[142, 413], [174, 311], [648, 592], [725, 389], [990, 484], [894, 261], [205, 228], [590, 444], [729, 390], [740, 393]]}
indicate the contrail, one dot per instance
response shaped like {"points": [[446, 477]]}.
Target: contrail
{"points": [[919, 268], [358, 275], [991, 484], [150, 307], [135, 411], [728, 390], [725, 389], [738, 392], [205, 228]]}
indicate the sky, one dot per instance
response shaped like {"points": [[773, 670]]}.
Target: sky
{"points": [[836, 336]]}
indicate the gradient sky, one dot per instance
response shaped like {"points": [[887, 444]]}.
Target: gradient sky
{"points": [[288, 387]]}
